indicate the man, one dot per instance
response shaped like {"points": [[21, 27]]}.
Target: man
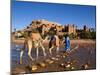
{"points": [[67, 43]]}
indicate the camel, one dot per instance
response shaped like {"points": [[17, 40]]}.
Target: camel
{"points": [[54, 42], [36, 41]]}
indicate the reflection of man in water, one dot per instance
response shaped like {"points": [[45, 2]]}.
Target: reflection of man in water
{"points": [[67, 43]]}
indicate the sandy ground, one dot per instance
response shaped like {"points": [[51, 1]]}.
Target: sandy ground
{"points": [[82, 58]]}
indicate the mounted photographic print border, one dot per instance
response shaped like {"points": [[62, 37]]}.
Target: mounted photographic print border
{"points": [[52, 37]]}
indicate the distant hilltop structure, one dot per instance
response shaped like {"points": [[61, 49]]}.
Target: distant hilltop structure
{"points": [[46, 27]]}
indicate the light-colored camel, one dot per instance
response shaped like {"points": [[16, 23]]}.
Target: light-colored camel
{"points": [[36, 41]]}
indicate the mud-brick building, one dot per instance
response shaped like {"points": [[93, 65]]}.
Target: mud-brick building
{"points": [[44, 26], [70, 28], [59, 28], [85, 28]]}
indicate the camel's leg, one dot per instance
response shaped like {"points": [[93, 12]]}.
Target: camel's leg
{"points": [[57, 50], [22, 51], [51, 49], [43, 49], [29, 49], [37, 52], [21, 54]]}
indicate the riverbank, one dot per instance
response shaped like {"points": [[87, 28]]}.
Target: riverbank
{"points": [[77, 41]]}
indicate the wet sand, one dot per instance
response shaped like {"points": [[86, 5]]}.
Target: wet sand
{"points": [[83, 56]]}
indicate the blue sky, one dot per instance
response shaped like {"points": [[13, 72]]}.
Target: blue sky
{"points": [[24, 12]]}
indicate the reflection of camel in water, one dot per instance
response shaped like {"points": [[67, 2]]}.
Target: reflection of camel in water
{"points": [[35, 41]]}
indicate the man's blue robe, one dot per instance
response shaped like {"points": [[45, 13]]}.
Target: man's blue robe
{"points": [[67, 43]]}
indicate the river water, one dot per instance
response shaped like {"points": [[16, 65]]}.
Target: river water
{"points": [[85, 53]]}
